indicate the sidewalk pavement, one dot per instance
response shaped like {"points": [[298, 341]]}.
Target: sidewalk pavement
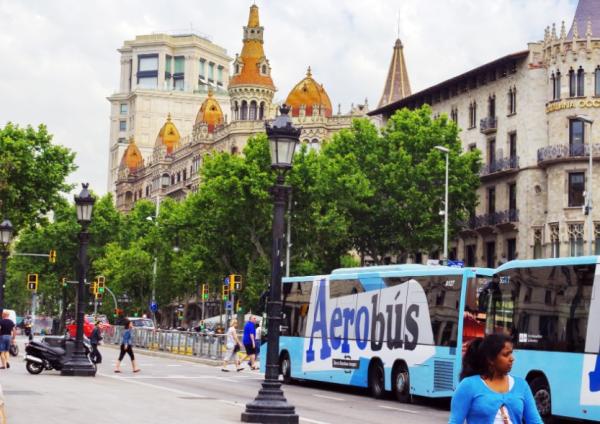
{"points": [[50, 398]]}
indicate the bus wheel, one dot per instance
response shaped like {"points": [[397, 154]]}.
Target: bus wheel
{"points": [[543, 400], [401, 384], [376, 380], [285, 367]]}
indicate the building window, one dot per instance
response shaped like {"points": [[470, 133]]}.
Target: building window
{"points": [[211, 72], [123, 108], [253, 109], [492, 106], [491, 200], [472, 147], [470, 250], [179, 73], [147, 75], [168, 70], [472, 115], [597, 237], [123, 125], [490, 254], [512, 101], [597, 81], [575, 239], [244, 111], [219, 75], [454, 114], [511, 249], [572, 83], [556, 86], [576, 137], [537, 243], [491, 152], [512, 199], [554, 241], [202, 73], [264, 69], [580, 82], [576, 189]]}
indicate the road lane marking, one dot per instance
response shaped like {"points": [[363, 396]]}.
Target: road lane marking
{"points": [[154, 386], [173, 365], [410, 411], [329, 397], [241, 405], [308, 420]]}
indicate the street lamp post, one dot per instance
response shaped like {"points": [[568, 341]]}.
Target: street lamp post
{"points": [[270, 406], [446, 151], [79, 364], [587, 208], [6, 233], [163, 182]]}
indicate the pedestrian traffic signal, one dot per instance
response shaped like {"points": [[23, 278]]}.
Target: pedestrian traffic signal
{"points": [[204, 291], [32, 282], [225, 291], [99, 296], [52, 256], [64, 282], [235, 282], [238, 306], [101, 285]]}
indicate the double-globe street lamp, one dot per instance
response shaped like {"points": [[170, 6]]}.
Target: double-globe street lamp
{"points": [[6, 234], [447, 152], [79, 364], [270, 406]]}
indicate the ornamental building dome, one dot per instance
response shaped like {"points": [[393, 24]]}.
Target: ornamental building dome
{"points": [[309, 96], [210, 113], [168, 136], [132, 157]]}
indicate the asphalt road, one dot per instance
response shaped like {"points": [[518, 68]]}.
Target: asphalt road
{"points": [[171, 390]]}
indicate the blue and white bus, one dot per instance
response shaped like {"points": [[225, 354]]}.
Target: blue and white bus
{"points": [[402, 328]]}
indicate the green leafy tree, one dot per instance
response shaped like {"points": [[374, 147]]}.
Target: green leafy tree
{"points": [[32, 174]]}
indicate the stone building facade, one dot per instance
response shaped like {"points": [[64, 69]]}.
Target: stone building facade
{"points": [[520, 112], [218, 116]]}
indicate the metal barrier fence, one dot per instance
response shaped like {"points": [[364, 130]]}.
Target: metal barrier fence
{"points": [[172, 341]]}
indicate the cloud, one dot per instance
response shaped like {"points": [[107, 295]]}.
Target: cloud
{"points": [[60, 58]]}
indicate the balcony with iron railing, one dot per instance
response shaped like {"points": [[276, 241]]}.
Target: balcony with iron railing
{"points": [[488, 125], [501, 165], [562, 152], [508, 216]]}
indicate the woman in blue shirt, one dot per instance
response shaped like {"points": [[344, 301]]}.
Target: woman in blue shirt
{"points": [[487, 393], [126, 341]]}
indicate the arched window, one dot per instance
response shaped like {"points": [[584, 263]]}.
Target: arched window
{"points": [[557, 86], [597, 82], [580, 82], [244, 110], [237, 69], [234, 150], [253, 110], [553, 79], [572, 83], [236, 111], [261, 111], [264, 69]]}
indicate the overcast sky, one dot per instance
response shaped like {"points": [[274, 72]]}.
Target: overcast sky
{"points": [[60, 59]]}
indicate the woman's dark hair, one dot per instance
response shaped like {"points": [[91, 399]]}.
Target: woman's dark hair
{"points": [[480, 353], [126, 323]]}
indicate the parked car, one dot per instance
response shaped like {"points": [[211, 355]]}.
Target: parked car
{"points": [[138, 322], [88, 325]]}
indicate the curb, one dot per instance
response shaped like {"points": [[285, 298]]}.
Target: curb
{"points": [[159, 354]]}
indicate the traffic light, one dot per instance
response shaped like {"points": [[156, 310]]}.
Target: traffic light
{"points": [[101, 285], [238, 306], [99, 296], [64, 281], [235, 282], [32, 282], [94, 287], [204, 291], [225, 291], [52, 256]]}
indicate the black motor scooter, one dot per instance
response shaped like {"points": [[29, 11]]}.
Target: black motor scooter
{"points": [[51, 353]]}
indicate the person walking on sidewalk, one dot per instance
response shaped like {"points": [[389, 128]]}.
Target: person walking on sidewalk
{"points": [[7, 336], [249, 340], [233, 346], [126, 341], [487, 392], [95, 339]]}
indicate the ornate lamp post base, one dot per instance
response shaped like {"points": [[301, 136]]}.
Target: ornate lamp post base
{"points": [[270, 406], [79, 366]]}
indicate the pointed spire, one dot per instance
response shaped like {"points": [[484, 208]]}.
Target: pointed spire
{"points": [[253, 21], [587, 15], [554, 37], [397, 85], [575, 31], [563, 31], [308, 73]]}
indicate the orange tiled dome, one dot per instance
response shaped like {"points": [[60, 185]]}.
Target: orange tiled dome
{"points": [[253, 59], [168, 136], [210, 113], [132, 157], [308, 93]]}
